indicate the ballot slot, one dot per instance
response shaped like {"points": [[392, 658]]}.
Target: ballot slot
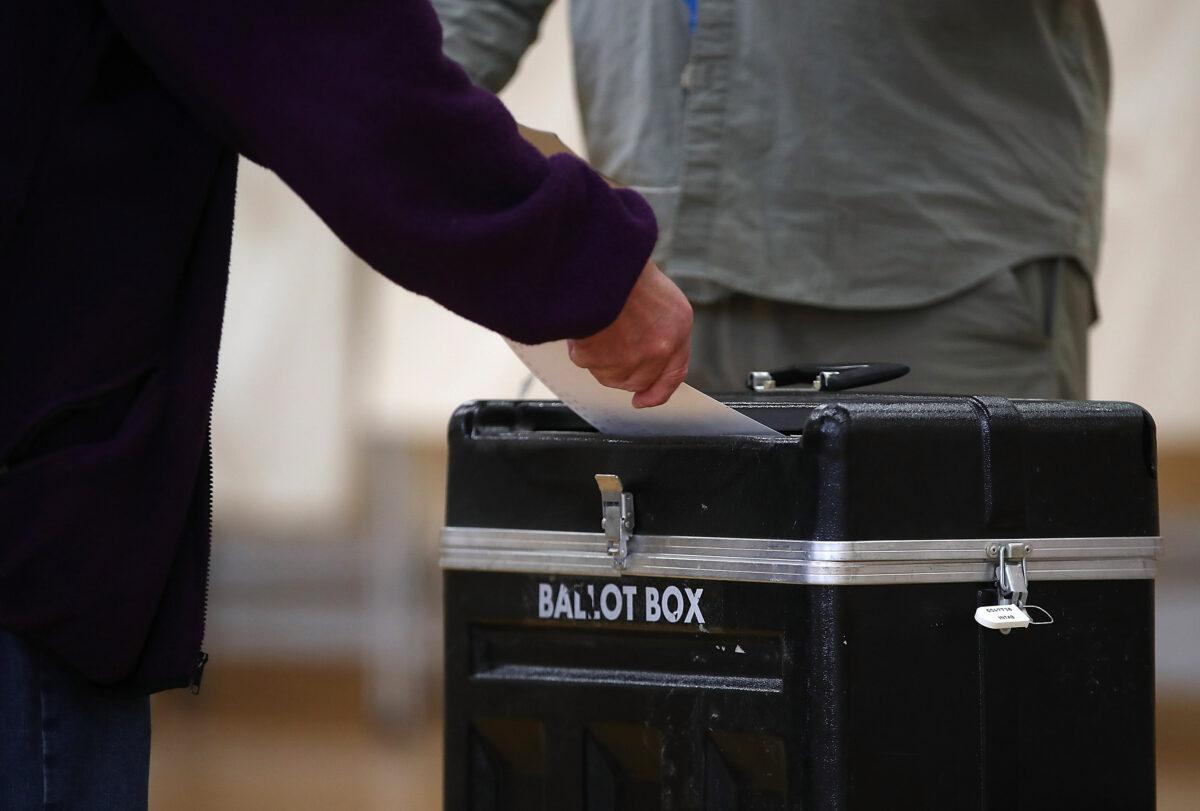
{"points": [[630, 656], [688, 412], [784, 410], [498, 418], [503, 417]]}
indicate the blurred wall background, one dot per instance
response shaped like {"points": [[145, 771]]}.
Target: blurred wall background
{"points": [[335, 387]]}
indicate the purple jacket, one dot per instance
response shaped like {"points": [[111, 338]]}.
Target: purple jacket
{"points": [[122, 124]]}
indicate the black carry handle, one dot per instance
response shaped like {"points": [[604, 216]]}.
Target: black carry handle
{"points": [[827, 376]]}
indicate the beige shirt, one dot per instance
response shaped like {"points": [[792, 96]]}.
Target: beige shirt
{"points": [[867, 154]]}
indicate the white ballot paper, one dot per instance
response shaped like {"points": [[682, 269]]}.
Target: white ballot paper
{"points": [[687, 413]]}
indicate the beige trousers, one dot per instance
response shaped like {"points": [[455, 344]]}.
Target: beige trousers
{"points": [[1021, 333]]}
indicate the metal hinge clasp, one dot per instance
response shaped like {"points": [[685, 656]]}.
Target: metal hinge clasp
{"points": [[616, 509]]}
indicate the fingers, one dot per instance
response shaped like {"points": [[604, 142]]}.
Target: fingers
{"points": [[661, 389], [647, 348], [589, 353], [640, 380], [630, 370]]}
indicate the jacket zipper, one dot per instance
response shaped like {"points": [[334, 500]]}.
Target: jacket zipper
{"points": [[201, 656]]}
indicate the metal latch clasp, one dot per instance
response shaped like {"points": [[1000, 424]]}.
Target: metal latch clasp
{"points": [[616, 509], [1012, 578], [1012, 587]]}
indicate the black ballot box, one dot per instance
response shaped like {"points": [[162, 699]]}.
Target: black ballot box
{"points": [[900, 602]]}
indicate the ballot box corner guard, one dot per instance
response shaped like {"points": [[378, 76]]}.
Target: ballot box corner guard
{"points": [[594, 659]]}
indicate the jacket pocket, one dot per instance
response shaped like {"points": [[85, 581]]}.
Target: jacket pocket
{"points": [[87, 420]]}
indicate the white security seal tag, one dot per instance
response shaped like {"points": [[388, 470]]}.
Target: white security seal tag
{"points": [[1001, 617]]}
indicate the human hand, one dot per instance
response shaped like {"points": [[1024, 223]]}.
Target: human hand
{"points": [[647, 349]]}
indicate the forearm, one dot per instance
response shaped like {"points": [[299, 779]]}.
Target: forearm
{"points": [[422, 174]]}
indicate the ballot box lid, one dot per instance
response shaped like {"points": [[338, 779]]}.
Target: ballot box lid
{"points": [[858, 488]]}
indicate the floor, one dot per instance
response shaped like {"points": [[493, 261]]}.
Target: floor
{"points": [[264, 737], [296, 739], [1178, 726]]}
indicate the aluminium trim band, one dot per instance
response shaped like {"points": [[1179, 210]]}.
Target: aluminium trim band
{"points": [[794, 561]]}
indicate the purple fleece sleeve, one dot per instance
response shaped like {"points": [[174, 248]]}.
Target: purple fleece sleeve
{"points": [[422, 174]]}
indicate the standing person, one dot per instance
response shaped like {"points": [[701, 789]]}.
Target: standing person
{"points": [[123, 120], [895, 180]]}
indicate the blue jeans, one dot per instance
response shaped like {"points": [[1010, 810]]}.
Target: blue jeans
{"points": [[65, 743]]}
